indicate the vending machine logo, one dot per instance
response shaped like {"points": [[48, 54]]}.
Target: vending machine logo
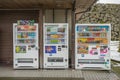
{"points": [[25, 22], [50, 49]]}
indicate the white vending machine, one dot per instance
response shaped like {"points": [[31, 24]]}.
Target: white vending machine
{"points": [[92, 46], [25, 46], [56, 45]]}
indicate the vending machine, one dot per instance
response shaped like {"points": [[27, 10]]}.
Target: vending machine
{"points": [[56, 45], [92, 46], [25, 45]]}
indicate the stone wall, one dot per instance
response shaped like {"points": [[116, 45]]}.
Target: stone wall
{"points": [[104, 13]]}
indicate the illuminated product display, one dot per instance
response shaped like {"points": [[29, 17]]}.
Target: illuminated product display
{"points": [[25, 42], [92, 46], [55, 45]]}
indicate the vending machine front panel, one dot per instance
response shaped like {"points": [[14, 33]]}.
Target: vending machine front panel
{"points": [[92, 46], [55, 45], [25, 42]]}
